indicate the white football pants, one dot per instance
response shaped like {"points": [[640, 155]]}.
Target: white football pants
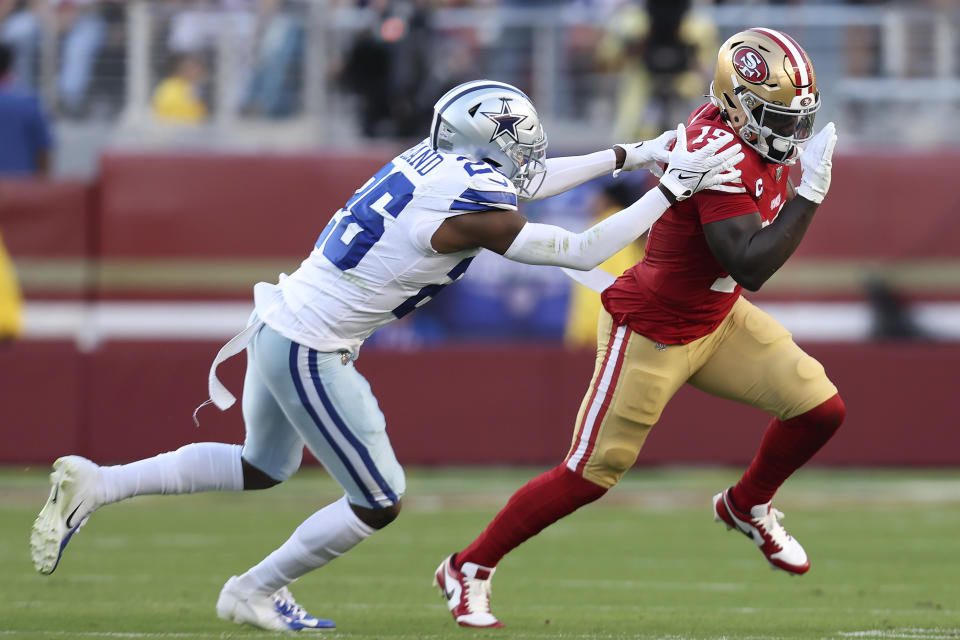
{"points": [[294, 395]]}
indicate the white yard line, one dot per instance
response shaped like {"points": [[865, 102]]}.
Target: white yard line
{"points": [[912, 633]]}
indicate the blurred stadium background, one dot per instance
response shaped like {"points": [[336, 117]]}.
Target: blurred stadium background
{"points": [[200, 146]]}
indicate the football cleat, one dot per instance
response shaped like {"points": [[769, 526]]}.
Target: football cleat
{"points": [[275, 612], [467, 592], [762, 525], [73, 497]]}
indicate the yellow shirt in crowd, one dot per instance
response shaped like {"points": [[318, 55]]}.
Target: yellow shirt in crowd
{"points": [[176, 100], [11, 302]]}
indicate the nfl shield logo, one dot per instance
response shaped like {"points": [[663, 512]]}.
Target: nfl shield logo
{"points": [[779, 172]]}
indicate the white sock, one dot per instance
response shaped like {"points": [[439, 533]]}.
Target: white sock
{"points": [[202, 466], [325, 535]]}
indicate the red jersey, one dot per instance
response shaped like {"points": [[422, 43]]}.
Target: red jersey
{"points": [[679, 292]]}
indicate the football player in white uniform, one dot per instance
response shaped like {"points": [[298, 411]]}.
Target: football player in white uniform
{"points": [[408, 232]]}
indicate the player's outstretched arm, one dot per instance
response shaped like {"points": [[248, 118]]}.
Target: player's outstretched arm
{"points": [[751, 253], [568, 172], [645, 155], [509, 234]]}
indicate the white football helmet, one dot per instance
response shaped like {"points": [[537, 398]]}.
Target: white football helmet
{"points": [[493, 122]]}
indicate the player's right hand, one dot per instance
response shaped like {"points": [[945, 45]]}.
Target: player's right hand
{"points": [[692, 171], [816, 160], [647, 154]]}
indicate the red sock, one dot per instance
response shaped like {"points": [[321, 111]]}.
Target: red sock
{"points": [[537, 504], [786, 446]]}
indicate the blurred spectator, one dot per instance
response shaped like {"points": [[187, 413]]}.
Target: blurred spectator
{"points": [[413, 92], [11, 300], [226, 28], [585, 305], [390, 68], [580, 44], [367, 73], [272, 88], [177, 98], [664, 54], [892, 319], [25, 139], [18, 30], [84, 34], [81, 32], [24, 151], [197, 27]]}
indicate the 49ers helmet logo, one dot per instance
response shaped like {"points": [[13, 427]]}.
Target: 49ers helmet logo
{"points": [[750, 65]]}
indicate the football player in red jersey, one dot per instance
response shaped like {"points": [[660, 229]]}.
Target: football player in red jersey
{"points": [[678, 317]]}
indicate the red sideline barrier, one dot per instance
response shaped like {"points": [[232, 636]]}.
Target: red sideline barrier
{"points": [[47, 219], [216, 206], [879, 208], [51, 222], [42, 401], [210, 208], [485, 404], [505, 403]]}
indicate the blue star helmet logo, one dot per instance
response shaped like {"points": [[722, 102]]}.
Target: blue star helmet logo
{"points": [[506, 122]]}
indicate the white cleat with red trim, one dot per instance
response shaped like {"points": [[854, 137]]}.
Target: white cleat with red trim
{"points": [[467, 592], [762, 525]]}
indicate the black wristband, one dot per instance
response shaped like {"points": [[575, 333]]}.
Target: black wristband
{"points": [[621, 155], [672, 199]]}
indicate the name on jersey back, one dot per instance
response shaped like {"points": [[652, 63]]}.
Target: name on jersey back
{"points": [[422, 158]]}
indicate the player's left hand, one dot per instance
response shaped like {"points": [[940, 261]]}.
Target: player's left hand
{"points": [[647, 154], [816, 161], [691, 171]]}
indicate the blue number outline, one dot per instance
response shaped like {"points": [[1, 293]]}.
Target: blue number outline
{"points": [[469, 166], [360, 216], [429, 291]]}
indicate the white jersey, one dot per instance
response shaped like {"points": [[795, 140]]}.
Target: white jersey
{"points": [[374, 263]]}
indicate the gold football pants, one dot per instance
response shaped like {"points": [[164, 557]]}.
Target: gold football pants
{"points": [[750, 358]]}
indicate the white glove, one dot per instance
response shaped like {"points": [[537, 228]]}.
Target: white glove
{"points": [[646, 154], [692, 171], [816, 160]]}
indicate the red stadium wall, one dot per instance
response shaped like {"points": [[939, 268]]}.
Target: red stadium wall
{"points": [[503, 403], [198, 206], [872, 214], [156, 209]]}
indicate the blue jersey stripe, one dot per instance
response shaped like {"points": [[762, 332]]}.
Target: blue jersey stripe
{"points": [[499, 197], [295, 374], [472, 206], [461, 268], [347, 433]]}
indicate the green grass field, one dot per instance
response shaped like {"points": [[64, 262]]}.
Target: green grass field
{"points": [[644, 562]]}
